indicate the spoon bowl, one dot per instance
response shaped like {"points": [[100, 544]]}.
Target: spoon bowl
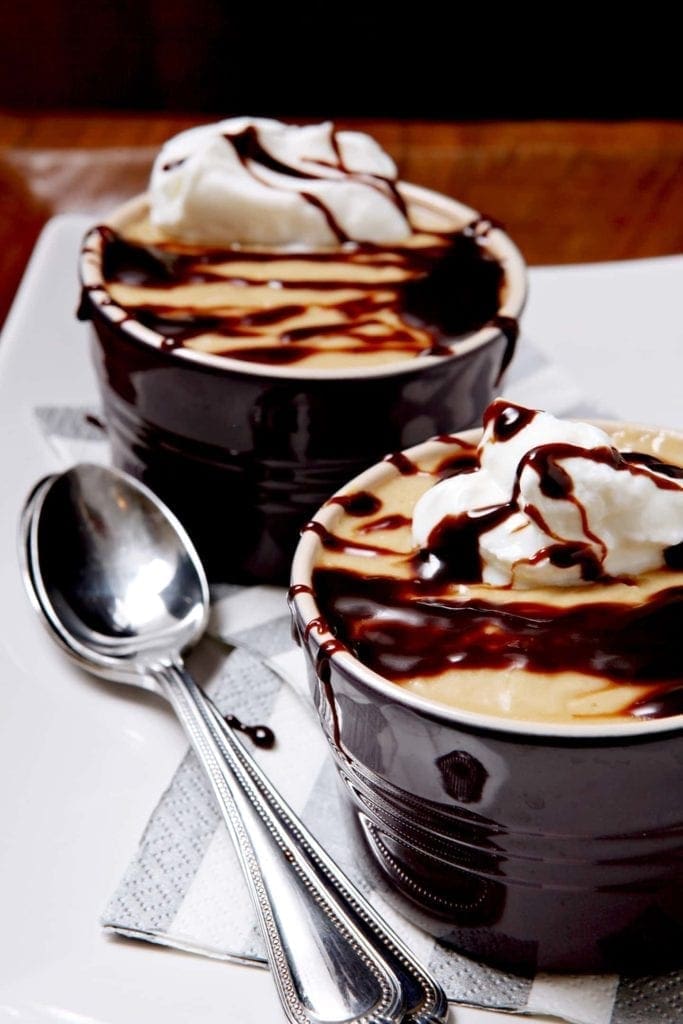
{"points": [[113, 571]]}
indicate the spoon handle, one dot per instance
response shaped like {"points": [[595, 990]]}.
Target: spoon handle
{"points": [[426, 1002], [324, 968]]}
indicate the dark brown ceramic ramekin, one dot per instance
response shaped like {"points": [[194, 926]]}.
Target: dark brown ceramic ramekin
{"points": [[244, 454], [529, 845]]}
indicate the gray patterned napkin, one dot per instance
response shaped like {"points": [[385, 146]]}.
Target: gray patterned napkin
{"points": [[183, 887]]}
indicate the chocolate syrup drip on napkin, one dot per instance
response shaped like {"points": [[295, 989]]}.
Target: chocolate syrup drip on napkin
{"points": [[260, 735]]}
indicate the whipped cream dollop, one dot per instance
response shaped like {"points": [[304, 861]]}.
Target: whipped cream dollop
{"points": [[552, 503], [257, 181]]}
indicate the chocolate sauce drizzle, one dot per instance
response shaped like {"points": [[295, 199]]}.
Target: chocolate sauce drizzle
{"points": [[438, 292], [504, 419], [455, 541], [402, 463], [362, 503], [333, 543], [390, 522], [404, 628], [407, 628], [323, 674], [96, 422]]}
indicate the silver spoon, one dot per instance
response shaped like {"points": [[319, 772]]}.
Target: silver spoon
{"points": [[118, 582]]}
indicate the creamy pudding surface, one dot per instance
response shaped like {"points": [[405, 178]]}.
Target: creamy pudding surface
{"points": [[533, 573], [298, 247]]}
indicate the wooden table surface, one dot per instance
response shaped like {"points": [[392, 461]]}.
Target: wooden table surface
{"points": [[568, 192]]}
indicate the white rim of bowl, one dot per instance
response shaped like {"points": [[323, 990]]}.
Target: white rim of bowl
{"points": [[302, 566], [498, 241]]}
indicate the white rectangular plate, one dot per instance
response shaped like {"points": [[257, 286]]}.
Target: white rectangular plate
{"points": [[83, 764]]}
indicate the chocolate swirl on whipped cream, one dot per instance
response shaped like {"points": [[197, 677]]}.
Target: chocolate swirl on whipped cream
{"points": [[253, 154], [455, 542], [550, 495]]}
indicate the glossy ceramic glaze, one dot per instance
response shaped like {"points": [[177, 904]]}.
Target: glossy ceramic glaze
{"points": [[244, 454], [533, 846]]}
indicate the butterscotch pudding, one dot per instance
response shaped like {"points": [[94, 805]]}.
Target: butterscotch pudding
{"points": [[278, 312], [298, 248], [534, 574]]}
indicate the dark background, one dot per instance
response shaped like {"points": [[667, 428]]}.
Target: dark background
{"points": [[441, 62]]}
